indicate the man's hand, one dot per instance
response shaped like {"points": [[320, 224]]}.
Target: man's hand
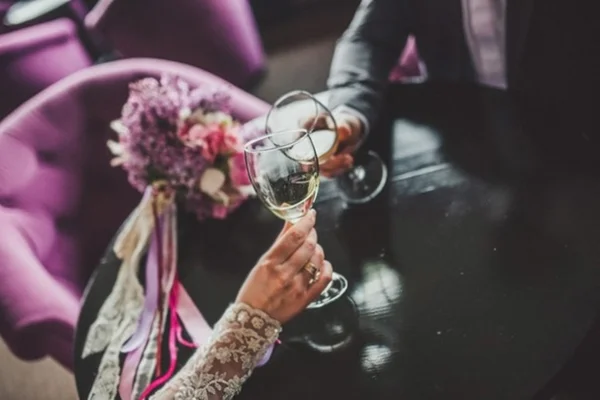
{"points": [[350, 131]]}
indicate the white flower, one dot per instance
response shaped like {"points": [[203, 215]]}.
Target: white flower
{"points": [[118, 151]]}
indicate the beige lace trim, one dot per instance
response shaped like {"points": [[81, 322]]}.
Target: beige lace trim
{"points": [[217, 370]]}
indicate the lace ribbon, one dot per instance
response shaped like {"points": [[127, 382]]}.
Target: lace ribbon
{"points": [[120, 313]]}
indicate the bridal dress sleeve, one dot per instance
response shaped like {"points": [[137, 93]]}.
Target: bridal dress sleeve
{"points": [[218, 369]]}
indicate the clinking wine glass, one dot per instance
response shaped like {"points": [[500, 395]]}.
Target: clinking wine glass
{"points": [[301, 110], [284, 170]]}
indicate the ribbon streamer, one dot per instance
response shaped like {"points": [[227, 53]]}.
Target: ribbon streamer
{"points": [[151, 358]]}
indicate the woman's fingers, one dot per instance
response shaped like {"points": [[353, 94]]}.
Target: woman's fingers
{"points": [[301, 257], [302, 278], [292, 239], [317, 287], [318, 257], [286, 226]]}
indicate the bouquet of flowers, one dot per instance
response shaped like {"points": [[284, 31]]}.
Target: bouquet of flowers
{"points": [[185, 139], [180, 146]]}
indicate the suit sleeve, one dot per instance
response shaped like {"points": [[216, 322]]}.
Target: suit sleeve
{"points": [[365, 55]]}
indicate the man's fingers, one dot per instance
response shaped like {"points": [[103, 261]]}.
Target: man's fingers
{"points": [[292, 238], [321, 121], [337, 165], [349, 139], [344, 132]]}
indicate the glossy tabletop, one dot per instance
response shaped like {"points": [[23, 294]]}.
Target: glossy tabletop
{"points": [[473, 276]]}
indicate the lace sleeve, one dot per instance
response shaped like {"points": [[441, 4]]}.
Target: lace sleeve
{"points": [[217, 370]]}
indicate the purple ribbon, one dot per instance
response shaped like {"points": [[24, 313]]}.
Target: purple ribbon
{"points": [[266, 357], [151, 300]]}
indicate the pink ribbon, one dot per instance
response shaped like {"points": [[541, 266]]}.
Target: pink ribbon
{"points": [[174, 327], [191, 318], [196, 325], [128, 374]]}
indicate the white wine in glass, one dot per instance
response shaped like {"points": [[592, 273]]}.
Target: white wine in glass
{"points": [[284, 170], [293, 196]]}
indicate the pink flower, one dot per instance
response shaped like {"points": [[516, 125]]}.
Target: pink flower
{"points": [[212, 139], [232, 142], [237, 170], [209, 139]]}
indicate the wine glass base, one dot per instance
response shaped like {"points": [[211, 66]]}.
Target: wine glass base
{"points": [[335, 327], [365, 180], [336, 288], [328, 348]]}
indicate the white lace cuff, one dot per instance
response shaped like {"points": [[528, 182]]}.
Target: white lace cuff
{"points": [[217, 370]]}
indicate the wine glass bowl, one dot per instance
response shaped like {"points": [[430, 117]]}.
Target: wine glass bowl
{"points": [[294, 110], [284, 171], [324, 135], [301, 110]]}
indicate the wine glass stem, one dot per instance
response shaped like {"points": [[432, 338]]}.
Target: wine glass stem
{"points": [[358, 173], [328, 287]]}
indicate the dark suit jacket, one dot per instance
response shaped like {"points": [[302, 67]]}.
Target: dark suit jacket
{"points": [[552, 52]]}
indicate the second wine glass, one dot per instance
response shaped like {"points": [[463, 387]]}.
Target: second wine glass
{"points": [[301, 110]]}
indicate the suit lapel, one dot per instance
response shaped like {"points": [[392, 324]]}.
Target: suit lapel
{"points": [[518, 14]]}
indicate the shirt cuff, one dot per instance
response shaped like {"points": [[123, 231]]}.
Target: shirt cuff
{"points": [[365, 123]]}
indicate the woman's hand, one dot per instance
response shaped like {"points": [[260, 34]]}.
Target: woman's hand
{"points": [[279, 284]]}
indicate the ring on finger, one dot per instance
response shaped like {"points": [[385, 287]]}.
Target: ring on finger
{"points": [[313, 271]]}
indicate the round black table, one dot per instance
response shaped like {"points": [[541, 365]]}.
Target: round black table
{"points": [[474, 275]]}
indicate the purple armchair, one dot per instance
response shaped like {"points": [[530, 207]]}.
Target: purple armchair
{"points": [[33, 58], [219, 36], [4, 7], [61, 202]]}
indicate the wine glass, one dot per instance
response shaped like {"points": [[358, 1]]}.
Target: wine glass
{"points": [[284, 170], [301, 110]]}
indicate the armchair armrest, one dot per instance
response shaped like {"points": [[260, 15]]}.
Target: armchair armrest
{"points": [[33, 324]]}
